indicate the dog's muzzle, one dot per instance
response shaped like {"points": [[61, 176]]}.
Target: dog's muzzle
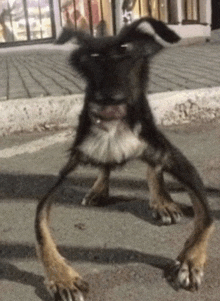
{"points": [[101, 114]]}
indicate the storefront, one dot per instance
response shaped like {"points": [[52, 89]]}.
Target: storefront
{"points": [[86, 15], [191, 19], [34, 21], [26, 21]]}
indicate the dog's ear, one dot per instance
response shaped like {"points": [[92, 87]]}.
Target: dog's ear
{"points": [[156, 34], [157, 29], [68, 34]]}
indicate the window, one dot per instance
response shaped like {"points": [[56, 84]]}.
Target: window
{"points": [[191, 11], [86, 14], [25, 20], [157, 9]]}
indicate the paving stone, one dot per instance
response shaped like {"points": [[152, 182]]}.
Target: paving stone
{"points": [[27, 74]]}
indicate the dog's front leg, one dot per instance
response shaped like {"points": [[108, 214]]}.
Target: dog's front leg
{"points": [[100, 190], [191, 261], [163, 207], [63, 282]]}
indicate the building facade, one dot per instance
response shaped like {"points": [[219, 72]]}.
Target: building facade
{"points": [[37, 21]]}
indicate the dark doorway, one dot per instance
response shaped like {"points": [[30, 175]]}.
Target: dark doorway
{"points": [[215, 14]]}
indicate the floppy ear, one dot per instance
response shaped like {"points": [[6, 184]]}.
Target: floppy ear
{"points": [[68, 34], [156, 34], [159, 30]]}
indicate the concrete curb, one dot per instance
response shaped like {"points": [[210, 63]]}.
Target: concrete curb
{"points": [[39, 113], [39, 47], [61, 112], [186, 106]]}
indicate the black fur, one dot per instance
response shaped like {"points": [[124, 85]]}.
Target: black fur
{"points": [[109, 68], [120, 65], [117, 125]]}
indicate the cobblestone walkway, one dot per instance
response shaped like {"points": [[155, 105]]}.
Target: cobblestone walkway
{"points": [[38, 73]]}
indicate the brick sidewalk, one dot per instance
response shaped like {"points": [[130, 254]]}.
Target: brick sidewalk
{"points": [[38, 73]]}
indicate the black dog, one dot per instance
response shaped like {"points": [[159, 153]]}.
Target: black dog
{"points": [[115, 126]]}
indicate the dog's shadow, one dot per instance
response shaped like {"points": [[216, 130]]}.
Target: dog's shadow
{"points": [[10, 272], [27, 186], [139, 207], [116, 256]]}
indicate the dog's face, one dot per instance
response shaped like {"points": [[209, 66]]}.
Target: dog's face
{"points": [[116, 68]]}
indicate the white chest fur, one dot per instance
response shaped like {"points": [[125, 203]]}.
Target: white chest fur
{"points": [[115, 143]]}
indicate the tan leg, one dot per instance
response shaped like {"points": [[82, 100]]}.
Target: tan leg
{"points": [[162, 205], [62, 281], [100, 190], [165, 157], [193, 257]]}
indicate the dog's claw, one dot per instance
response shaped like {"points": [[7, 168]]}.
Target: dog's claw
{"points": [[94, 199], [64, 294], [190, 278], [72, 293], [186, 277], [68, 295], [168, 213], [91, 201], [81, 285]]}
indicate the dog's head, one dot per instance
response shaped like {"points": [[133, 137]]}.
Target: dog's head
{"points": [[116, 67]]}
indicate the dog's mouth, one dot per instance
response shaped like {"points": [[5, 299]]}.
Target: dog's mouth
{"points": [[105, 113]]}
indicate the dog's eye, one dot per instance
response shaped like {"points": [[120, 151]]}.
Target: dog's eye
{"points": [[95, 55], [126, 48], [86, 57], [121, 51]]}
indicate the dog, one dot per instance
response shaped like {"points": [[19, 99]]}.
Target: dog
{"points": [[116, 125]]}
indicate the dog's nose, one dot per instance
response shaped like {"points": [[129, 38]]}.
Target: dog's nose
{"points": [[111, 97]]}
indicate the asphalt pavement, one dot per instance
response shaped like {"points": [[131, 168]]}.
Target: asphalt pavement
{"points": [[118, 248]]}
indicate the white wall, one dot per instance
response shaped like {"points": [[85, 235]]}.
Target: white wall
{"points": [[188, 31], [192, 31]]}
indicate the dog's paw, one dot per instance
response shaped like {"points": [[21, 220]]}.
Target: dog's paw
{"points": [[190, 277], [188, 270], [73, 292], [186, 275], [93, 198], [62, 281], [167, 212], [98, 201]]}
